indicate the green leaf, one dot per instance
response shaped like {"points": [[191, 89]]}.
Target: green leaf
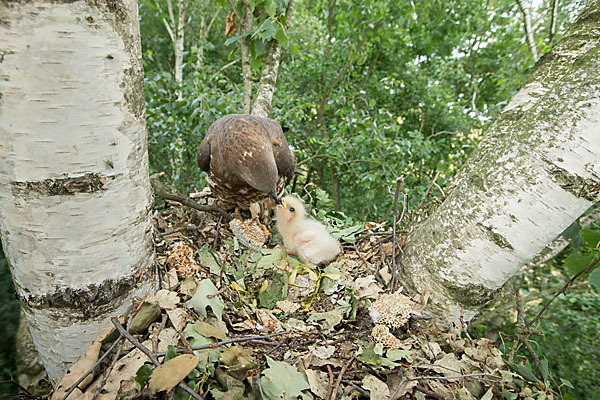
{"points": [[347, 234], [170, 353], [282, 381], [591, 237], [235, 38], [509, 395], [282, 37], [142, 376], [208, 357], [271, 8], [371, 354], [205, 296], [329, 280], [148, 313], [267, 30], [567, 383], [544, 368], [524, 371], [595, 278], [577, 262], [489, 395], [398, 354], [275, 291], [209, 259]]}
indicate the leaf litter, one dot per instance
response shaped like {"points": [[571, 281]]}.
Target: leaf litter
{"points": [[234, 323]]}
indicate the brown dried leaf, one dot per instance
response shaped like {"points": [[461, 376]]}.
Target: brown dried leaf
{"points": [[230, 26], [269, 320], [124, 369], [166, 299], [209, 330], [76, 371], [178, 318], [377, 388], [318, 381], [168, 375]]}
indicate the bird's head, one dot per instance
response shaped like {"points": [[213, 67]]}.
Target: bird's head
{"points": [[290, 209]]}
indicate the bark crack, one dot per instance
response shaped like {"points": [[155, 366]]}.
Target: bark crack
{"points": [[89, 302], [88, 183]]}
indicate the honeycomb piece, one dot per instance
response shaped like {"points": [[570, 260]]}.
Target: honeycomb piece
{"points": [[181, 257], [249, 233], [382, 334], [392, 310]]}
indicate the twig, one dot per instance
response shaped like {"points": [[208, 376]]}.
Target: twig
{"points": [[89, 371], [393, 281], [444, 378], [329, 390], [150, 355], [216, 241], [185, 228], [224, 342], [260, 389], [364, 262], [213, 76], [431, 393], [285, 340], [121, 341], [186, 201], [462, 323], [222, 270], [25, 391], [339, 378], [429, 189], [563, 290]]}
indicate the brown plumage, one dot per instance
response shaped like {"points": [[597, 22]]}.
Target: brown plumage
{"points": [[304, 236], [246, 158]]}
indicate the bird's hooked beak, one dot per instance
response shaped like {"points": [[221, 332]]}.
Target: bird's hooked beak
{"points": [[278, 200]]}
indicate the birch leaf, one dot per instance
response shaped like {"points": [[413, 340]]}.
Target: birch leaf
{"points": [[204, 298], [168, 375], [377, 388], [282, 381]]}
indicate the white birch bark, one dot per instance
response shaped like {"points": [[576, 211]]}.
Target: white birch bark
{"points": [[245, 46], [528, 30], [535, 172], [268, 77], [75, 199], [179, 41]]}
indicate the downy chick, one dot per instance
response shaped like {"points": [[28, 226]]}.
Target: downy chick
{"points": [[304, 236]]}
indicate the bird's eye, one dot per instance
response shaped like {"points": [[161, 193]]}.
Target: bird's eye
{"points": [[292, 209]]}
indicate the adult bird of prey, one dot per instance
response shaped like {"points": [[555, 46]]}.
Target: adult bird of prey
{"points": [[247, 159]]}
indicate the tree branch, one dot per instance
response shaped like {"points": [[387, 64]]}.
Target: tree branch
{"points": [[186, 201], [563, 290]]}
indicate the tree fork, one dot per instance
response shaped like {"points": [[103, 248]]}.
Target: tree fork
{"points": [[534, 173]]}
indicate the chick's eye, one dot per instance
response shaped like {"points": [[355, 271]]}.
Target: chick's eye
{"points": [[292, 209]]}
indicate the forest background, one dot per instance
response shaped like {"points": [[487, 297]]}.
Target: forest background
{"points": [[368, 92]]}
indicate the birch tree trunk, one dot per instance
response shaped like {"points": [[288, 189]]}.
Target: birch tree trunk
{"points": [[528, 30], [75, 199], [268, 76], [179, 41], [534, 173]]}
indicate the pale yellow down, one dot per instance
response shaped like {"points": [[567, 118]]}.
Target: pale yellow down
{"points": [[304, 236]]}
